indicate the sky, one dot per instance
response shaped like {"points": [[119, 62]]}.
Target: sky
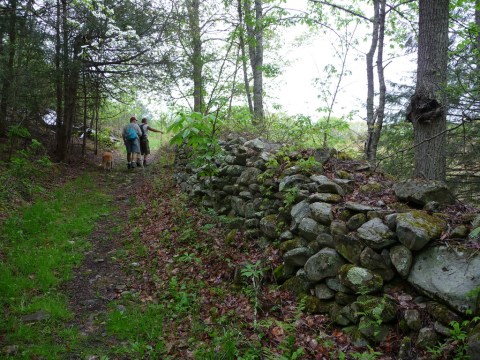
{"points": [[295, 90]]}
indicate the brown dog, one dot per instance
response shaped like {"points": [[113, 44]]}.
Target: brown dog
{"points": [[107, 160]]}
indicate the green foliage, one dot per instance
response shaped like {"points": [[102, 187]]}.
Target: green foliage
{"points": [[370, 355], [308, 165], [24, 173], [18, 131], [254, 273], [395, 155], [199, 133], [40, 246], [458, 336], [289, 196]]}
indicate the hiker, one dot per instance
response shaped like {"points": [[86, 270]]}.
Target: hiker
{"points": [[131, 134], [144, 146]]}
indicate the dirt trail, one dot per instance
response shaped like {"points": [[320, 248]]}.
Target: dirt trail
{"points": [[101, 278]]}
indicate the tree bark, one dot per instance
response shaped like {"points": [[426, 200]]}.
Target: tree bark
{"points": [[376, 117], [193, 9], [241, 44], [254, 26], [477, 22], [427, 110], [9, 70], [371, 118]]}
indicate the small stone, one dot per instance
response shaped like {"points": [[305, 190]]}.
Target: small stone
{"points": [[38, 316], [427, 337], [323, 292], [412, 319]]}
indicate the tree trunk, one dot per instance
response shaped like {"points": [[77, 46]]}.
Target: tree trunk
{"points": [[58, 77], [254, 25], [477, 22], [257, 65], [9, 70], [241, 44], [428, 109], [374, 136], [371, 116], [193, 7]]}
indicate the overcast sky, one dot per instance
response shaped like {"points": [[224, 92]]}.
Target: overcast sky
{"points": [[296, 92]]}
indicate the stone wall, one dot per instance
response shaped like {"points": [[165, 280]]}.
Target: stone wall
{"points": [[355, 245]]}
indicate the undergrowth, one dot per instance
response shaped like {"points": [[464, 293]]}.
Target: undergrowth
{"points": [[39, 247]]}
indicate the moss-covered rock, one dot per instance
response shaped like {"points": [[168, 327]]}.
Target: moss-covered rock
{"points": [[344, 299], [473, 343], [460, 232], [297, 285], [350, 247], [323, 264], [381, 308], [359, 279], [355, 336], [376, 234], [442, 313], [402, 259], [356, 221], [371, 188], [372, 330], [427, 337], [269, 225], [314, 305], [412, 319], [416, 229], [231, 237], [292, 244]]}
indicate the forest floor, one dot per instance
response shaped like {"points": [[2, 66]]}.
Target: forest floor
{"points": [[158, 278]]}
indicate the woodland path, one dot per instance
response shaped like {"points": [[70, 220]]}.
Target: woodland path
{"points": [[101, 278]]}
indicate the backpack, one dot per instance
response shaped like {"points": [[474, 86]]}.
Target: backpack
{"points": [[131, 133], [144, 136]]}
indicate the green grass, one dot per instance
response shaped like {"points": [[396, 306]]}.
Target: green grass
{"points": [[39, 248]]}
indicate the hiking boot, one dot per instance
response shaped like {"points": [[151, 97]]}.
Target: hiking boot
{"points": [[133, 165], [139, 164], [129, 166], [145, 163]]}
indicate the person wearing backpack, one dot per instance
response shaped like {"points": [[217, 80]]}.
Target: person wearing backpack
{"points": [[131, 134], [144, 145]]}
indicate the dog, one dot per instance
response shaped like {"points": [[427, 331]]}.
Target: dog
{"points": [[107, 160]]}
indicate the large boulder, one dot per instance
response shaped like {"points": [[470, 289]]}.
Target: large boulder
{"points": [[448, 275], [323, 264], [416, 229], [421, 192], [376, 234]]}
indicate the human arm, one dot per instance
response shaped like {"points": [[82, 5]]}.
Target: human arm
{"points": [[154, 130]]}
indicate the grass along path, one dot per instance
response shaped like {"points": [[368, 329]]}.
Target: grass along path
{"points": [[123, 266]]}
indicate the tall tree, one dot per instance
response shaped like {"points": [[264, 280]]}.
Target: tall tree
{"points": [[255, 28], [375, 117], [8, 76], [428, 106], [241, 45], [196, 57]]}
